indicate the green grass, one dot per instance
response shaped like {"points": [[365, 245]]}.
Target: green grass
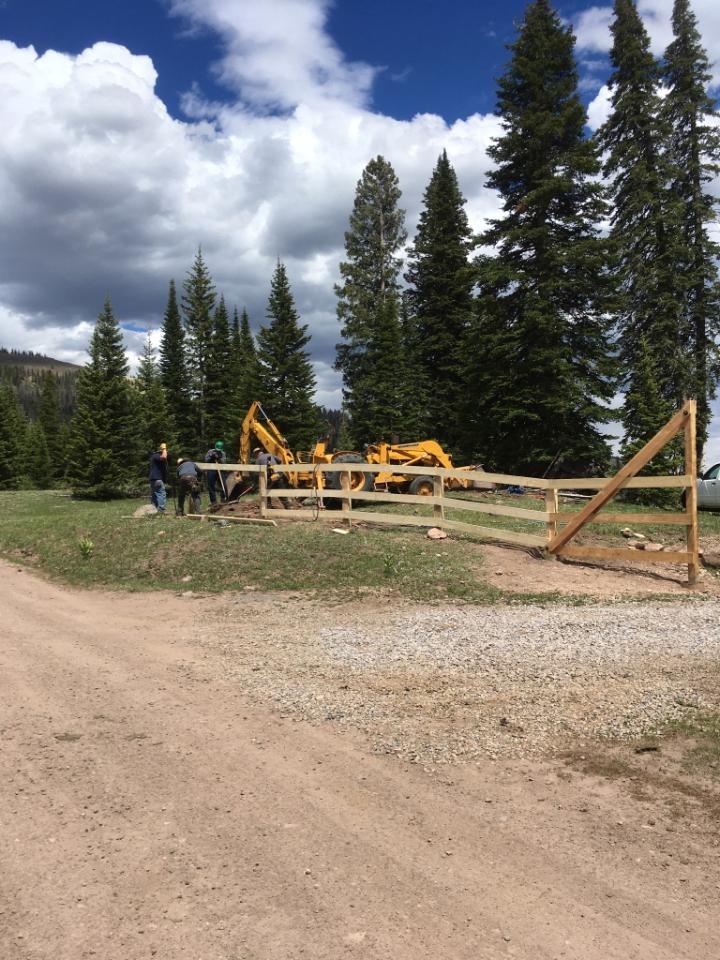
{"points": [[100, 545]]}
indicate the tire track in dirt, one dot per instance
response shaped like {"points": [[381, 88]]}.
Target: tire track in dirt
{"points": [[147, 810]]}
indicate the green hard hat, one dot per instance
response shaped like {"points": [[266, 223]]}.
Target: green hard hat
{"points": [[219, 445]]}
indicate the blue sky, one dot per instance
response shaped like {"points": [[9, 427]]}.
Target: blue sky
{"points": [[432, 56], [135, 131]]}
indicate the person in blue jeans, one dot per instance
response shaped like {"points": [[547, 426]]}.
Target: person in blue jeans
{"points": [[216, 455], [158, 478]]}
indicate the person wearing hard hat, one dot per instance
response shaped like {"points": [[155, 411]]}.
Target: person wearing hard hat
{"points": [[217, 456], [188, 486], [158, 478]]}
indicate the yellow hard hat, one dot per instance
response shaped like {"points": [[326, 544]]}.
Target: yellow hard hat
{"points": [[163, 446]]}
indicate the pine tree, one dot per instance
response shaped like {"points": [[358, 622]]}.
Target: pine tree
{"points": [[198, 303], [646, 240], [39, 464], [538, 372], [644, 408], [691, 118], [13, 441], [174, 372], [250, 379], [152, 415], [414, 376], [219, 421], [49, 418], [386, 393], [441, 304], [246, 371], [102, 444], [332, 426], [237, 361], [370, 284], [286, 373]]}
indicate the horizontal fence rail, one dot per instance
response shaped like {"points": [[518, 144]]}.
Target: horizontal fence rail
{"points": [[308, 482]]}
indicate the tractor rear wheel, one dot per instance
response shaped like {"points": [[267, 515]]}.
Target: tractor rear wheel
{"points": [[359, 480], [422, 487]]}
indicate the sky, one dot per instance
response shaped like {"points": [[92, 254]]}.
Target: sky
{"points": [[136, 131]]}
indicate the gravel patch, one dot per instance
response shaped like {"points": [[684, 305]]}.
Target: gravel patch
{"points": [[457, 683]]}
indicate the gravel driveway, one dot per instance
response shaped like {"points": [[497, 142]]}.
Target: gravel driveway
{"points": [[463, 682]]}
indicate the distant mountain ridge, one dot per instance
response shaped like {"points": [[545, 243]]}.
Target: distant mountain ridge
{"points": [[24, 372], [36, 361]]}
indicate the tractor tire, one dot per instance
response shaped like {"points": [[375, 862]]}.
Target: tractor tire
{"points": [[422, 487], [359, 482]]}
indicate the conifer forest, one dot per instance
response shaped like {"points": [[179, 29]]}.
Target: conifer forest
{"points": [[572, 326]]}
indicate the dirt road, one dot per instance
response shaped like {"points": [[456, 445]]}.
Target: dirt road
{"points": [[147, 810]]}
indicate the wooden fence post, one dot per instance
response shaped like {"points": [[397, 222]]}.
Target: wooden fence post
{"points": [[691, 492], [346, 484], [262, 491], [552, 505], [438, 509]]}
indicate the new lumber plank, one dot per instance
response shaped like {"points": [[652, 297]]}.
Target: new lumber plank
{"points": [[671, 428], [623, 553]]}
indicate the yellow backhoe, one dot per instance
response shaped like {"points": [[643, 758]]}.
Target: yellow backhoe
{"points": [[423, 453], [259, 430]]}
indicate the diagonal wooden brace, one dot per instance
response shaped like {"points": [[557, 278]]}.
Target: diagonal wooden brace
{"points": [[641, 458]]}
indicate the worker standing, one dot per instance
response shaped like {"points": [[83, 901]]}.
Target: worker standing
{"points": [[216, 455], [158, 478]]}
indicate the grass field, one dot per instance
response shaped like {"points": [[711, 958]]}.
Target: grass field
{"points": [[101, 544]]}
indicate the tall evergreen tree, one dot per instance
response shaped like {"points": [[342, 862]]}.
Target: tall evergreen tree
{"points": [[38, 462], [370, 285], [246, 370], [198, 304], [414, 378], [387, 394], [538, 370], [644, 408], [691, 118], [152, 415], [174, 372], [646, 239], [48, 415], [102, 442], [286, 373], [13, 440], [441, 282], [236, 354], [218, 422]]}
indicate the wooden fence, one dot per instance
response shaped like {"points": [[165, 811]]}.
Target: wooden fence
{"points": [[560, 527]]}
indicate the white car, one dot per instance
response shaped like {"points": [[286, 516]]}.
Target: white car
{"points": [[708, 489]]}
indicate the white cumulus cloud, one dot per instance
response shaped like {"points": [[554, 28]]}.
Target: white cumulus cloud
{"points": [[102, 192], [592, 28]]}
